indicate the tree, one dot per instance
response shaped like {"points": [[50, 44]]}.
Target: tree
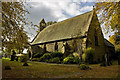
{"points": [[50, 23], [109, 14], [13, 21], [115, 40]]}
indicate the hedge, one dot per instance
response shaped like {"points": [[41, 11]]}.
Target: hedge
{"points": [[56, 54], [55, 60], [45, 57]]}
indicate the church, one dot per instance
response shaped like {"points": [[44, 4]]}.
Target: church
{"points": [[73, 35]]}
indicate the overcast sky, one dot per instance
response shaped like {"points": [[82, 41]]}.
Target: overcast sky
{"points": [[56, 10]]}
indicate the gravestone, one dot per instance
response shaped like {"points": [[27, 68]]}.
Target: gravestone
{"points": [[25, 64], [7, 68]]}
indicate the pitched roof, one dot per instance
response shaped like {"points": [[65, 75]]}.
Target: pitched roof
{"points": [[66, 29], [107, 43]]}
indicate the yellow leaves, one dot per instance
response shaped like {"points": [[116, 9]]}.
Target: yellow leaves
{"points": [[115, 40], [110, 12], [117, 47], [112, 39]]}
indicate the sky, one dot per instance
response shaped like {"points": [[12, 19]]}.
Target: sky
{"points": [[56, 10]]}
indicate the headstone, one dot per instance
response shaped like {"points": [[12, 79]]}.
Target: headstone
{"points": [[25, 64], [7, 68]]}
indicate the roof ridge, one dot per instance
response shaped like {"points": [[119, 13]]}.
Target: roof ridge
{"points": [[64, 29], [67, 19]]}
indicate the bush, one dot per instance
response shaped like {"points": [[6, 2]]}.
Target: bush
{"points": [[55, 60], [70, 55], [56, 54], [83, 57], [23, 58], [84, 67], [76, 60], [71, 60], [45, 57], [35, 59], [88, 55], [37, 55], [68, 60], [75, 54]]}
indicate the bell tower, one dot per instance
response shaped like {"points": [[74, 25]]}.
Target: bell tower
{"points": [[42, 25]]}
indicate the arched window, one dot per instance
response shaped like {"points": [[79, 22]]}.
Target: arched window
{"points": [[56, 46], [44, 48]]}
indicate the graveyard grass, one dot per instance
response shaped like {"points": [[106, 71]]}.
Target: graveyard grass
{"points": [[41, 70]]}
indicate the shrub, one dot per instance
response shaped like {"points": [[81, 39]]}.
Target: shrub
{"points": [[55, 60], [68, 60], [75, 54], [23, 58], [56, 54], [45, 57], [88, 55], [35, 59], [83, 56], [71, 60], [70, 55], [37, 55], [76, 60], [84, 67]]}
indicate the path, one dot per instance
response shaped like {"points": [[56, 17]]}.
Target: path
{"points": [[68, 75], [54, 63]]}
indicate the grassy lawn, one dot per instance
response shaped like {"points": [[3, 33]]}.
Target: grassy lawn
{"points": [[40, 70]]}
